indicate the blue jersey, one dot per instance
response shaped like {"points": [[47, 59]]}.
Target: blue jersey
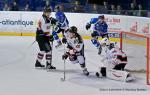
{"points": [[62, 19], [99, 26]]}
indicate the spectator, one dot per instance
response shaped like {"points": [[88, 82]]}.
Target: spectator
{"points": [[14, 7], [95, 8], [132, 6], [77, 7], [106, 7], [119, 11], [141, 12], [52, 4], [47, 4], [113, 9], [6, 7], [132, 9], [27, 8]]}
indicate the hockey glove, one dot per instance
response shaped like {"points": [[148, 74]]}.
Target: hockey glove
{"points": [[51, 38], [64, 40], [53, 21], [88, 26], [65, 56]]}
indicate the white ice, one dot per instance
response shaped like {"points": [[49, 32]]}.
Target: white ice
{"points": [[19, 77]]}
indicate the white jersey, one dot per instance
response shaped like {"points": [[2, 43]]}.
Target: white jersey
{"points": [[116, 56], [44, 24], [75, 43]]}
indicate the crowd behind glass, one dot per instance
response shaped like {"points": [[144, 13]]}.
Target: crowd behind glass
{"points": [[132, 8]]}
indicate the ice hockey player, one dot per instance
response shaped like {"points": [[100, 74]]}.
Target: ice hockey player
{"points": [[75, 47], [99, 30], [62, 25], [44, 37], [115, 62]]}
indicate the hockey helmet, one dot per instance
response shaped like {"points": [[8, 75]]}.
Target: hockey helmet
{"points": [[105, 41], [73, 29], [47, 9], [57, 8], [101, 17]]}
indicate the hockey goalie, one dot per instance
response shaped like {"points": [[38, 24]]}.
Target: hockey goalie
{"points": [[113, 61]]}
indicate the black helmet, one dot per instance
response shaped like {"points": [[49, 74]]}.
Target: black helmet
{"points": [[73, 29], [101, 17], [47, 9], [57, 7]]}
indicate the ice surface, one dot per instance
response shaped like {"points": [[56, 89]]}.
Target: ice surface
{"points": [[19, 77]]}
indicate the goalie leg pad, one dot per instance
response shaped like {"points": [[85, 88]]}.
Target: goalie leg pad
{"points": [[119, 75]]}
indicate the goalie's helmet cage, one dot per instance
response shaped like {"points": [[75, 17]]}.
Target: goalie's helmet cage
{"points": [[137, 48]]}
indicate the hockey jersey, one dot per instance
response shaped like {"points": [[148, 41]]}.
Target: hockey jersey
{"points": [[75, 43], [116, 56], [62, 20], [101, 27]]}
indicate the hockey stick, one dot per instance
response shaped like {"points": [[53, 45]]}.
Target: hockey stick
{"points": [[64, 78], [31, 44]]}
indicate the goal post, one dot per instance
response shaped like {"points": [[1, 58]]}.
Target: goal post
{"points": [[137, 47]]}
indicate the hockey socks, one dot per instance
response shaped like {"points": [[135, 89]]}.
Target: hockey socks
{"points": [[49, 61], [39, 59]]}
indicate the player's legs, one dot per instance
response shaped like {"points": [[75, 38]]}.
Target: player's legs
{"points": [[48, 50], [95, 41], [81, 61], [56, 37], [45, 46], [41, 52]]}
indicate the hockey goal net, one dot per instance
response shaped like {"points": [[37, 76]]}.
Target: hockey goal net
{"points": [[137, 48]]}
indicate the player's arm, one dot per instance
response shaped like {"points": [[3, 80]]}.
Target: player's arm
{"points": [[92, 21], [105, 29], [39, 31]]}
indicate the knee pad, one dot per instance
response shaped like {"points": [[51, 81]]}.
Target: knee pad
{"points": [[95, 42]]}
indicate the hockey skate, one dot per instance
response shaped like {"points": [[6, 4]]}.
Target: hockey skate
{"points": [[59, 44], [130, 78], [49, 66], [99, 75], [38, 64], [85, 72], [99, 49]]}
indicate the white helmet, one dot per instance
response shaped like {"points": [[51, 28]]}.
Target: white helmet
{"points": [[105, 41]]}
